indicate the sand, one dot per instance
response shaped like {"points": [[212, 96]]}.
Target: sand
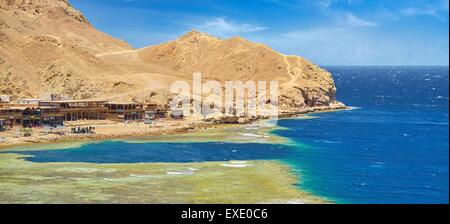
{"points": [[104, 129]]}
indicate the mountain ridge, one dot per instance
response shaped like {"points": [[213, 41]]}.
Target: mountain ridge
{"points": [[50, 47]]}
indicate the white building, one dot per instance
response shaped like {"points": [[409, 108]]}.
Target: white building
{"points": [[4, 98], [29, 101]]}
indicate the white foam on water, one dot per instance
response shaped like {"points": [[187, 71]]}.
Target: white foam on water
{"points": [[140, 176], [295, 202], [193, 169], [327, 142], [235, 165], [377, 164], [188, 172], [251, 135], [109, 179], [238, 162]]}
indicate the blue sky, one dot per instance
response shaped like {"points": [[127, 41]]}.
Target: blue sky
{"points": [[327, 32]]}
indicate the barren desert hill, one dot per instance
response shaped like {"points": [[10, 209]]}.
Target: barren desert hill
{"points": [[47, 46], [302, 84]]}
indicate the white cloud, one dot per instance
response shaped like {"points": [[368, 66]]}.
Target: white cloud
{"points": [[418, 12], [328, 4], [222, 27], [435, 9], [353, 20], [316, 34]]}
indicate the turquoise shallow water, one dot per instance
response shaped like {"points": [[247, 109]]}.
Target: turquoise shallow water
{"points": [[392, 149]]}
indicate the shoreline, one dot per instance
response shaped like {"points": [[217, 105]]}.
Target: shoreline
{"points": [[282, 191], [119, 130]]}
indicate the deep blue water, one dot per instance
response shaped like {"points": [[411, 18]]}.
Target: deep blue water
{"points": [[160, 152], [392, 149]]}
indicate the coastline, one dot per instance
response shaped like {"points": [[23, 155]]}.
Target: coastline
{"points": [[231, 184], [278, 177], [108, 130]]}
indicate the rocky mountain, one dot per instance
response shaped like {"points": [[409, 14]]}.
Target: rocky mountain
{"points": [[302, 84], [47, 46]]}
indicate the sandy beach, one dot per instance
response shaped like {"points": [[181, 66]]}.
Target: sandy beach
{"points": [[106, 129]]}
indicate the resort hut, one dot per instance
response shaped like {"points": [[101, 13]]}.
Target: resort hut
{"points": [[74, 110]]}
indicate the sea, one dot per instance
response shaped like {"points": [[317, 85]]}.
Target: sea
{"points": [[392, 147]]}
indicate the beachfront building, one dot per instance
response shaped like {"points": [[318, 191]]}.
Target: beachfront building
{"points": [[29, 101], [74, 110], [51, 116], [55, 113], [125, 111], [31, 116], [162, 111], [150, 112], [14, 115], [150, 106], [11, 115], [154, 111], [4, 99]]}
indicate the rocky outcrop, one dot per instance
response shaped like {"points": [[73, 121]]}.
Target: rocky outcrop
{"points": [[44, 7]]}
